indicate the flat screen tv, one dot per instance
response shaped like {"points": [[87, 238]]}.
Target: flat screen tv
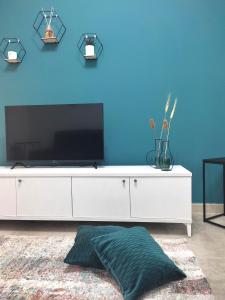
{"points": [[55, 134]]}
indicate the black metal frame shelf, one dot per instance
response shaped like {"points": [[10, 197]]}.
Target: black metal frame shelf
{"points": [[12, 44], [57, 24], [217, 161], [90, 39]]}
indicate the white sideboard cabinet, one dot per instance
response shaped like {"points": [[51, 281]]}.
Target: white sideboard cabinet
{"points": [[101, 197], [109, 193], [44, 197], [171, 197], [7, 197]]}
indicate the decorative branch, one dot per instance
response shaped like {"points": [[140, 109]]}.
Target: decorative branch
{"points": [[164, 119], [165, 124], [171, 117], [152, 123], [152, 126], [173, 110]]}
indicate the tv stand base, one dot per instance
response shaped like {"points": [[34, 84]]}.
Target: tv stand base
{"points": [[16, 164], [88, 164], [21, 164]]}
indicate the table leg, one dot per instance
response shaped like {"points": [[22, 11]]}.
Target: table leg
{"points": [[203, 185], [188, 229], [224, 190]]}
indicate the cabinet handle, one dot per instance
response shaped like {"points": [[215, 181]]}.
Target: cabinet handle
{"points": [[123, 181], [135, 181], [19, 180]]}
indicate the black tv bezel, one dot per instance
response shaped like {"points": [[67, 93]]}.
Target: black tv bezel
{"points": [[55, 162]]}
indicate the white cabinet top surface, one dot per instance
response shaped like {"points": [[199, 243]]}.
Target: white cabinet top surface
{"points": [[143, 170]]}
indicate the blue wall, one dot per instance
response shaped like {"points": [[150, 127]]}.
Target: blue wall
{"points": [[151, 47]]}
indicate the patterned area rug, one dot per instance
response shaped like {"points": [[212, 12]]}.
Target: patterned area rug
{"points": [[32, 268]]}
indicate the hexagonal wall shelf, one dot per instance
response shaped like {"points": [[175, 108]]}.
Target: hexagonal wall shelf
{"points": [[49, 26], [90, 46], [12, 50]]}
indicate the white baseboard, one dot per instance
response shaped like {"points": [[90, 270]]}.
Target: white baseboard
{"points": [[210, 208]]}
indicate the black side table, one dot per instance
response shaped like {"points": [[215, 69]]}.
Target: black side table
{"points": [[217, 161]]}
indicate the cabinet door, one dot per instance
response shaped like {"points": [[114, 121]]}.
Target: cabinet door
{"points": [[161, 198], [101, 198], [7, 197], [44, 197]]}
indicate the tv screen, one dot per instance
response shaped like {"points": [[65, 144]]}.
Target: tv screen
{"points": [[54, 133]]}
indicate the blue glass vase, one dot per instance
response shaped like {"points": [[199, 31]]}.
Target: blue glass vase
{"points": [[166, 159]]}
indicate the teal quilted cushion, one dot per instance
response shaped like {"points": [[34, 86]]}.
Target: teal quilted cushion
{"points": [[136, 261], [82, 253]]}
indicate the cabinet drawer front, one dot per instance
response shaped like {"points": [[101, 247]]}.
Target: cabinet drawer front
{"points": [[44, 197], [105, 197], [7, 197], [161, 198]]}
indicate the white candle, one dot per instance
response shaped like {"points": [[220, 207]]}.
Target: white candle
{"points": [[12, 55], [89, 50]]}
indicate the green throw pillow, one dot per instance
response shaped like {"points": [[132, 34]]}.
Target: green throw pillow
{"points": [[82, 253], [136, 261]]}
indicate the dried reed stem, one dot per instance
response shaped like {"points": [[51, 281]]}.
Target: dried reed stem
{"points": [[152, 126], [165, 112], [171, 117]]}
